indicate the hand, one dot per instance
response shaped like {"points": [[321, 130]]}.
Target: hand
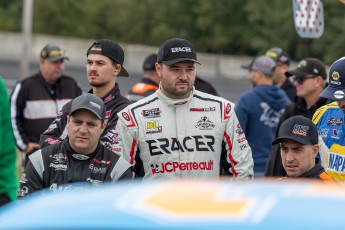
{"points": [[30, 147]]}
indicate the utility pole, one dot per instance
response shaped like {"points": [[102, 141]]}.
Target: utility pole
{"points": [[27, 37]]}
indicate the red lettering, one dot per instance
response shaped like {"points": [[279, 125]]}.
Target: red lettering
{"points": [[175, 165], [183, 166]]}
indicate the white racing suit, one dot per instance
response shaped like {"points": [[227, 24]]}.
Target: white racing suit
{"points": [[199, 136]]}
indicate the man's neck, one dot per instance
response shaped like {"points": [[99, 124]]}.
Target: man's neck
{"points": [[102, 91], [313, 98], [280, 82]]}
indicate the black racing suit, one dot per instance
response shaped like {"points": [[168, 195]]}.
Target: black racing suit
{"points": [[114, 102], [57, 166]]}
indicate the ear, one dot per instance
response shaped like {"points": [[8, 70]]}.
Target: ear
{"points": [[158, 69], [315, 150], [319, 81], [117, 69], [103, 126]]}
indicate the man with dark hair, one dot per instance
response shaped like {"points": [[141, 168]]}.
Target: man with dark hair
{"points": [[80, 157], [180, 132], [299, 144], [103, 65], [309, 78], [36, 100]]}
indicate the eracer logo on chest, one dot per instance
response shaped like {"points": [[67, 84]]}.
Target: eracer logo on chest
{"points": [[181, 49]]}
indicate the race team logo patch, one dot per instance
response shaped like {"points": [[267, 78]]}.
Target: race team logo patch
{"points": [[300, 130], [153, 127], [204, 124], [151, 113], [125, 116]]}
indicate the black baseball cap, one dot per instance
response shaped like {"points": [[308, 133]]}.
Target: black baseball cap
{"points": [[300, 129], [336, 87], [176, 50], [150, 62], [112, 50], [278, 55], [89, 102], [53, 53], [308, 66]]}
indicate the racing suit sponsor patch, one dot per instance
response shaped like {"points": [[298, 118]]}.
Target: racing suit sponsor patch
{"points": [[51, 141], [58, 158], [335, 121], [187, 144], [204, 123], [151, 113], [152, 127], [210, 109], [62, 167], [173, 166]]}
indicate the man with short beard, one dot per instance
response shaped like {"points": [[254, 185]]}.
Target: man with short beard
{"points": [[104, 64], [329, 120], [180, 132]]}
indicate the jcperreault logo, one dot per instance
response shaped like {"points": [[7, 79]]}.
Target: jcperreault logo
{"points": [[168, 167]]}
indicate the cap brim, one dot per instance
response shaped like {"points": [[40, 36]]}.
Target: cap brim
{"points": [[58, 58], [300, 140], [86, 108], [245, 66], [123, 72], [171, 62], [334, 94], [296, 73]]}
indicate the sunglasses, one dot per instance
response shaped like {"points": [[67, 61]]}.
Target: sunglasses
{"points": [[300, 80]]}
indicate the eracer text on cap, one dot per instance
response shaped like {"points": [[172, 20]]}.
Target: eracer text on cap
{"points": [[111, 50], [336, 79], [176, 50], [89, 102], [53, 53], [300, 129]]}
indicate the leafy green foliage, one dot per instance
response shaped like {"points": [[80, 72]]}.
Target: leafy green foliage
{"points": [[244, 27]]}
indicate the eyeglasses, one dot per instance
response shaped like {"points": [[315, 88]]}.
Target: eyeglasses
{"points": [[300, 80]]}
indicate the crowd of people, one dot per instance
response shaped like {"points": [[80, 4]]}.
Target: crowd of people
{"points": [[171, 124]]}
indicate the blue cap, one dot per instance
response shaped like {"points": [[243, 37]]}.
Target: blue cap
{"points": [[336, 88]]}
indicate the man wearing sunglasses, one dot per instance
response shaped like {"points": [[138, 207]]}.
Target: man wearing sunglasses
{"points": [[309, 78], [329, 120]]}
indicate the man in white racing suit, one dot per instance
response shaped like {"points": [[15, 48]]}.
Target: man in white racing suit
{"points": [[180, 132]]}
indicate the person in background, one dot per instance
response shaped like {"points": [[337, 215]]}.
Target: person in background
{"points": [[329, 120], [36, 100], [260, 109], [78, 158], [309, 78], [282, 61], [104, 63], [204, 86], [180, 132], [299, 144], [8, 155], [148, 84]]}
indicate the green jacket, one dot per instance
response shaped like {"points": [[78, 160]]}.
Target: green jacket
{"points": [[8, 156]]}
